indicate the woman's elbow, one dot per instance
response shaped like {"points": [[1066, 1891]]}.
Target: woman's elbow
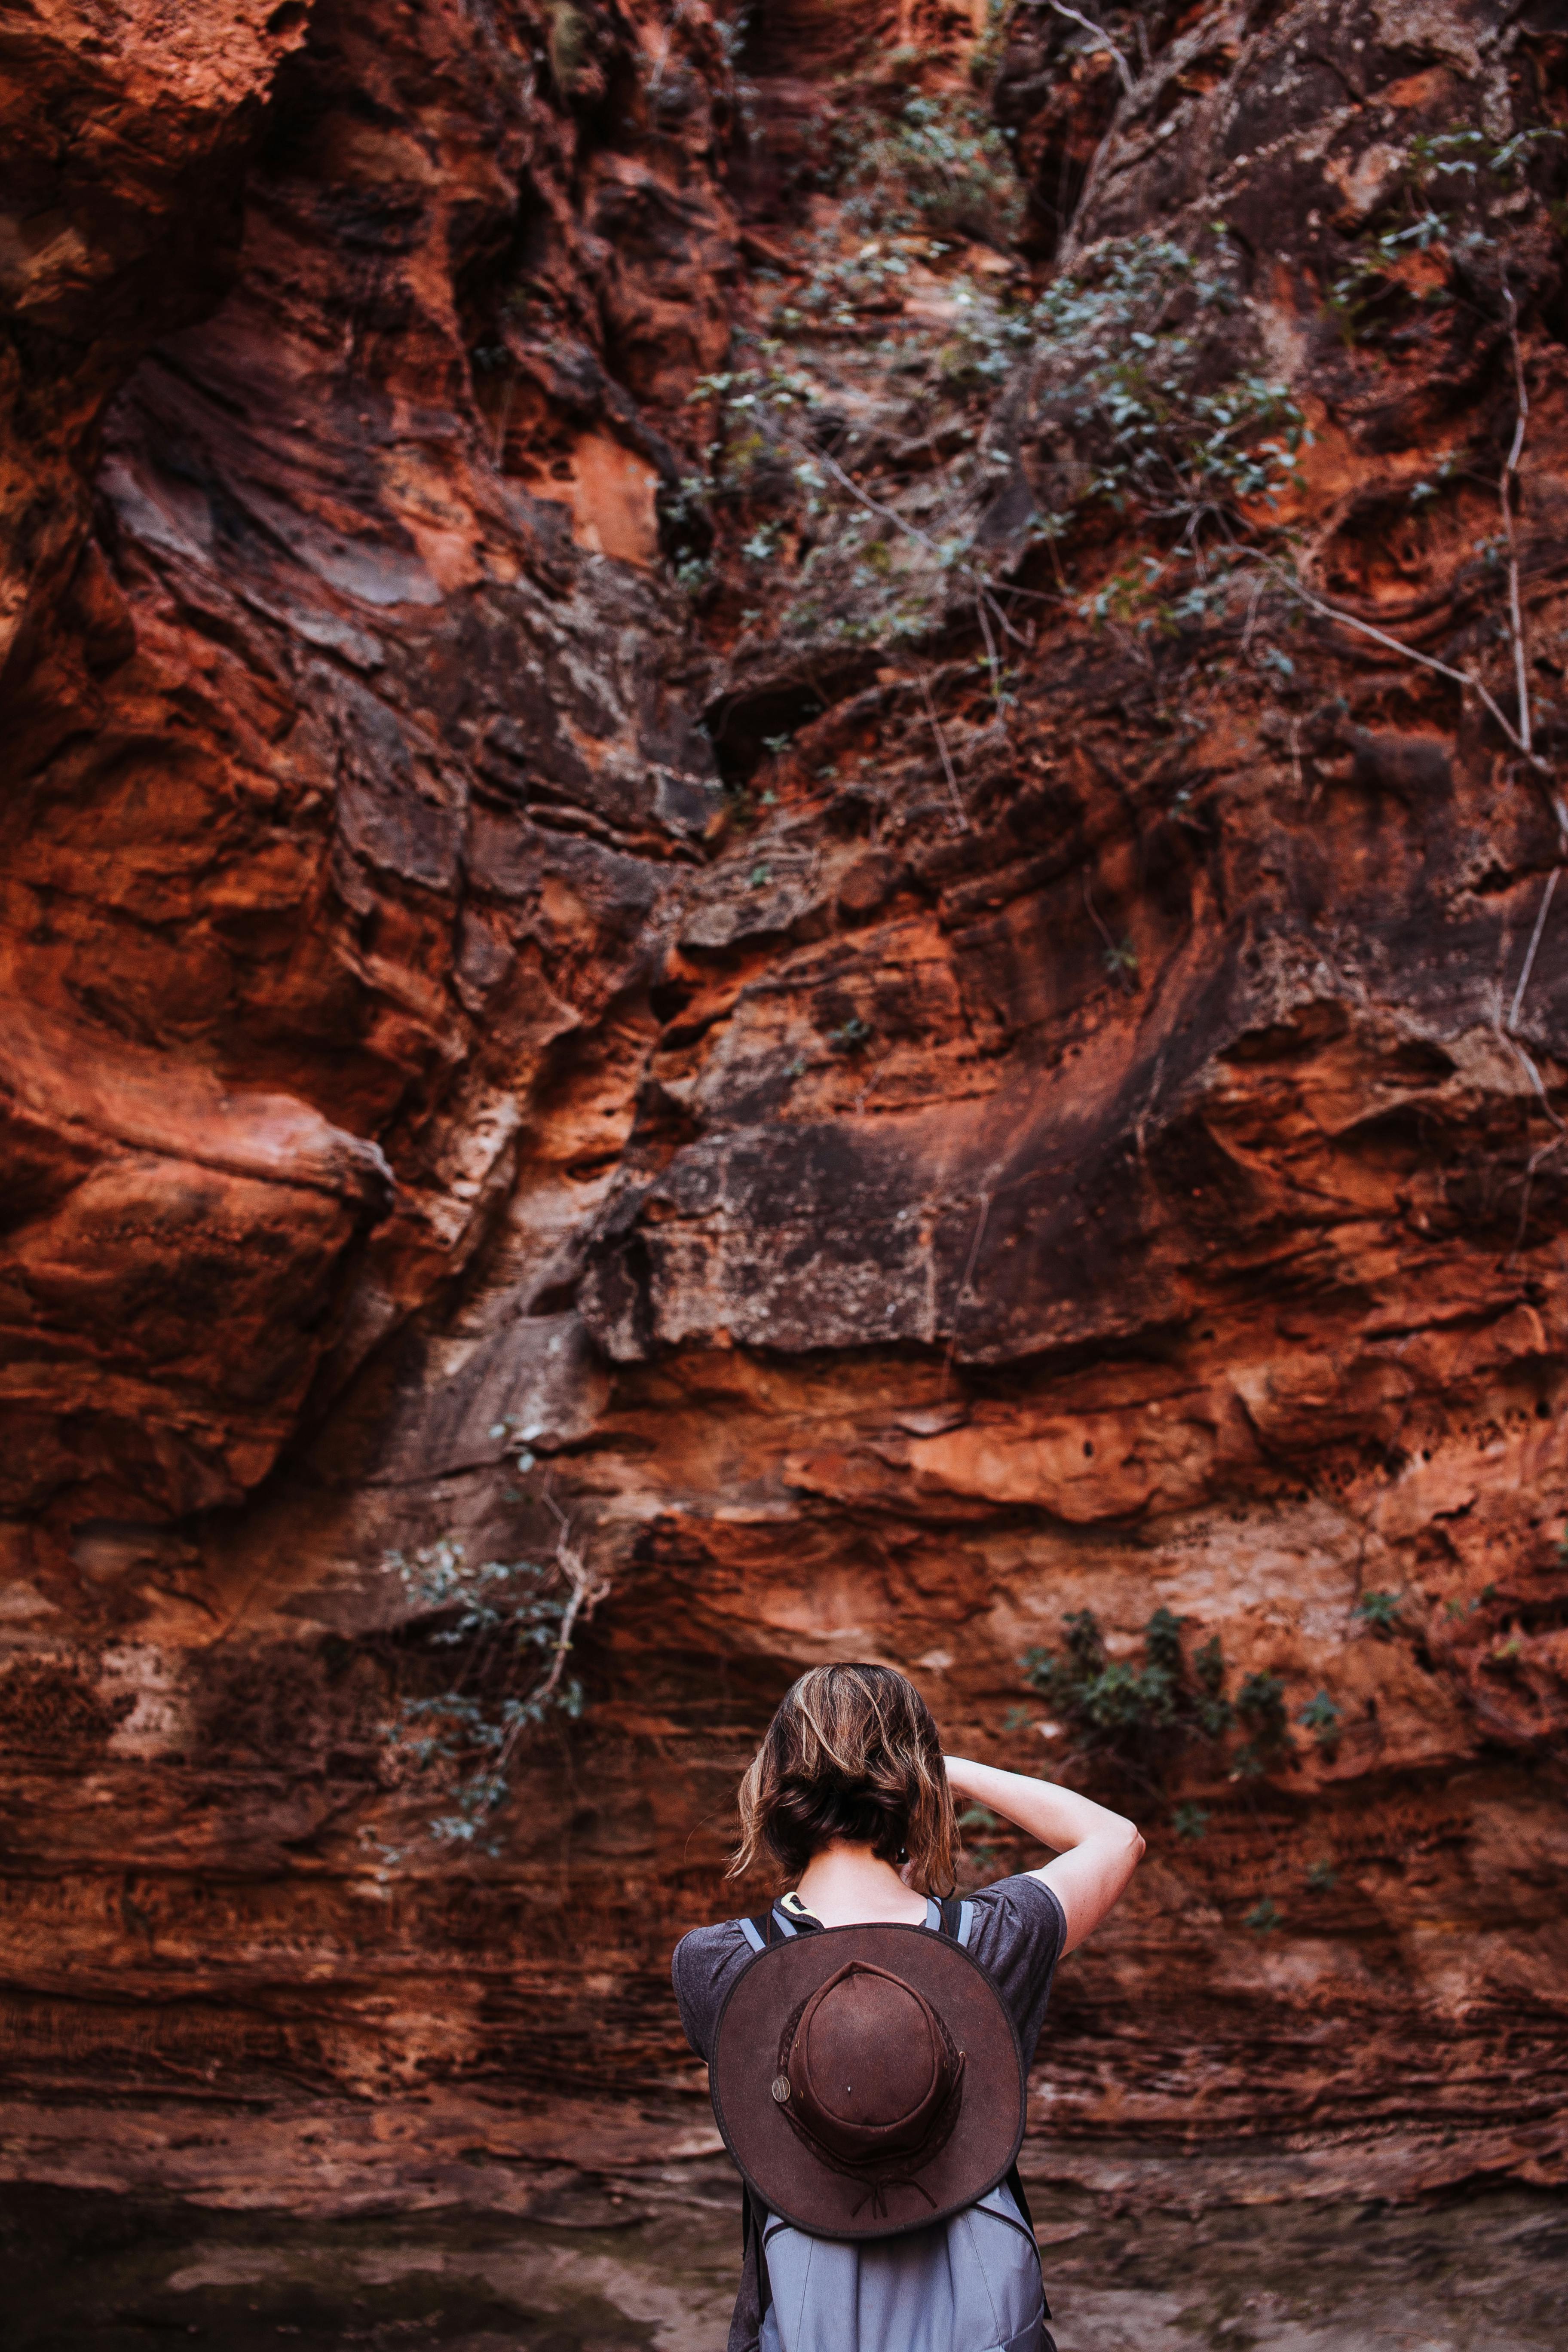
{"points": [[1130, 1840]]}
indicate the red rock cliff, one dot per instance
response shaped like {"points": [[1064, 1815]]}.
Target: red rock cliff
{"points": [[804, 760]]}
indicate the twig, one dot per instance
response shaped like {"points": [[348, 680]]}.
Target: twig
{"points": [[946, 758], [1103, 37], [1520, 735], [1505, 484], [1534, 943], [875, 1071], [1251, 619], [1545, 773], [1112, 953], [804, 900], [1534, 1162], [663, 58], [875, 506], [1533, 1074], [911, 531], [962, 1288], [1425, 661], [997, 614], [586, 1591], [990, 661]]}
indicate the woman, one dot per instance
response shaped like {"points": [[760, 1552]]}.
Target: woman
{"points": [[891, 2217]]}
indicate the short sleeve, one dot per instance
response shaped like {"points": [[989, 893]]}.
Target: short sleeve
{"points": [[705, 1965], [1017, 1937]]}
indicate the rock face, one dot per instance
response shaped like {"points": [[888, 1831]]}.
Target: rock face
{"points": [[780, 824]]}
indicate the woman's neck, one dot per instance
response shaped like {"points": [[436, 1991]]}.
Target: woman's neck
{"points": [[849, 1887]]}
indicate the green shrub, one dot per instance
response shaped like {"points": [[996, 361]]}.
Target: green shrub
{"points": [[939, 164], [1139, 379], [1368, 296], [1214, 1712], [1143, 1715], [851, 1037], [1320, 1717], [1260, 1705], [1381, 1611]]}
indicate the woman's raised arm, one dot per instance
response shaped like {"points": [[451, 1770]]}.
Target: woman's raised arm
{"points": [[1096, 1851]]}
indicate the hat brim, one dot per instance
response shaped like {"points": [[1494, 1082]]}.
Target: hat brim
{"points": [[783, 2171]]}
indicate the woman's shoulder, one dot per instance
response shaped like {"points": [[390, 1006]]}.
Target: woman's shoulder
{"points": [[1019, 1930], [1020, 1910], [1024, 1894], [701, 1946], [705, 1964]]}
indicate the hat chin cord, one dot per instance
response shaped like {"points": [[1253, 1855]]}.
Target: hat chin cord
{"points": [[900, 2174], [877, 2193]]}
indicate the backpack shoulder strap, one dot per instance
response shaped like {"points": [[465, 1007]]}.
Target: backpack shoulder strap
{"points": [[1015, 2183], [772, 1927], [752, 2227], [957, 1918]]}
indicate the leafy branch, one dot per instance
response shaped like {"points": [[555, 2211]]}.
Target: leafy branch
{"points": [[1102, 38], [1518, 732], [1158, 419], [503, 1615]]}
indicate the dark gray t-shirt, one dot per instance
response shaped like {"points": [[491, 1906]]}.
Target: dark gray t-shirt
{"points": [[1017, 1934]]}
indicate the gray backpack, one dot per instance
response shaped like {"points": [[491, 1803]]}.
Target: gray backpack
{"points": [[971, 2284]]}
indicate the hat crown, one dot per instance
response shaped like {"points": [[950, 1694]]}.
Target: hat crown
{"points": [[870, 2057], [871, 2071]]}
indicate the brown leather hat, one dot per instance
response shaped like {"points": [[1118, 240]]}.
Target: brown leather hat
{"points": [[867, 2080]]}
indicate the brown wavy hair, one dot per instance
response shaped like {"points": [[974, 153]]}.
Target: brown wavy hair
{"points": [[852, 1753]]}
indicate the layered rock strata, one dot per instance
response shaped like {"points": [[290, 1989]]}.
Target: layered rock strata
{"points": [[705, 885]]}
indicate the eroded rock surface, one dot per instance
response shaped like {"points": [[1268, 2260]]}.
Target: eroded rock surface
{"points": [[660, 813]]}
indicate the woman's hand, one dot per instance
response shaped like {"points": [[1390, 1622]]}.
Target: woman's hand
{"points": [[1097, 1850]]}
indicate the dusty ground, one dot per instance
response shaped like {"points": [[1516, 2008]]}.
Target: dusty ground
{"points": [[651, 2262], [559, 961]]}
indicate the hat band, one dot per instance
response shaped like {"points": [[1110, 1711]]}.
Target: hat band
{"points": [[882, 2169], [884, 2160]]}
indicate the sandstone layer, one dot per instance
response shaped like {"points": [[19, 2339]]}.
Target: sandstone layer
{"points": [[781, 827]]}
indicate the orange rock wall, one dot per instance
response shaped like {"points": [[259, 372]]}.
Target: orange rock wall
{"points": [[977, 1161]]}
